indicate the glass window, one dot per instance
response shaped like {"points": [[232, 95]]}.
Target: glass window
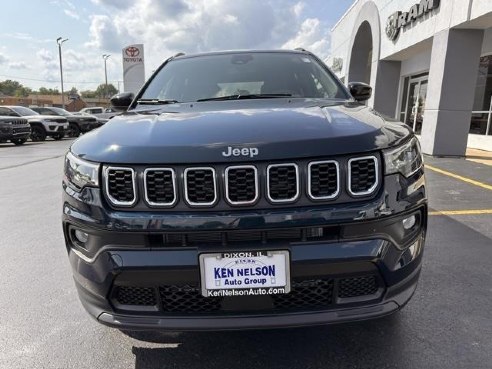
{"points": [[24, 111], [480, 121], [216, 75], [483, 89]]}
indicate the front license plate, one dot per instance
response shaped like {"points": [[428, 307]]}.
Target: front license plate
{"points": [[247, 273]]}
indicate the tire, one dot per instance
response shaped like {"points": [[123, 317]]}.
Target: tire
{"points": [[58, 136], [73, 130], [38, 133], [19, 141]]}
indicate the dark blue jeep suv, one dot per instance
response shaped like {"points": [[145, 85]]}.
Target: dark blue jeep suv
{"points": [[244, 189]]}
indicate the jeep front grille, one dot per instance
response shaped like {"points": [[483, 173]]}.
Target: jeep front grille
{"points": [[255, 185], [200, 186], [120, 186], [363, 175], [241, 184], [160, 186], [324, 180], [282, 182]]}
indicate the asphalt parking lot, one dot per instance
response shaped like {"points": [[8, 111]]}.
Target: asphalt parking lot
{"points": [[447, 324]]}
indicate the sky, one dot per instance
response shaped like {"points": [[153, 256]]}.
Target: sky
{"points": [[29, 29]]}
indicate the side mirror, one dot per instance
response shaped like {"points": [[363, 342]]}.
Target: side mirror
{"points": [[360, 91], [122, 101]]}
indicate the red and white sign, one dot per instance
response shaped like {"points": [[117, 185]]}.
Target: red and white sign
{"points": [[133, 67]]}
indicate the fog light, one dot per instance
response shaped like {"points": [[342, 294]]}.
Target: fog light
{"points": [[409, 222], [81, 236]]}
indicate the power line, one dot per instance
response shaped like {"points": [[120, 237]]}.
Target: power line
{"points": [[47, 81]]}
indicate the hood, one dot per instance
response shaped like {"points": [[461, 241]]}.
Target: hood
{"points": [[207, 132]]}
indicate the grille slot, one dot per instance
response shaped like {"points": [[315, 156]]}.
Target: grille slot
{"points": [[120, 186], [186, 299], [305, 295], [226, 238], [140, 296], [160, 186], [282, 182], [363, 175], [241, 184], [358, 286], [200, 186], [314, 294], [324, 180]]}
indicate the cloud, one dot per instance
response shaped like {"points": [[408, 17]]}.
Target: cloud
{"points": [[26, 37], [3, 59], [18, 65], [71, 13], [119, 4], [312, 36], [166, 27], [104, 34]]}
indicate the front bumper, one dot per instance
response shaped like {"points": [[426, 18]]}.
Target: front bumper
{"points": [[125, 251], [15, 132], [52, 127]]}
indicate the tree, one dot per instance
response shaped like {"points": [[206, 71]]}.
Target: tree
{"points": [[73, 91], [23, 91], [88, 94], [10, 88], [48, 91], [101, 90]]}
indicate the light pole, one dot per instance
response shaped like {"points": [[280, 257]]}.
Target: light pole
{"points": [[105, 57], [60, 41]]}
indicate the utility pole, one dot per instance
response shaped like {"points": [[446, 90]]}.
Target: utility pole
{"points": [[60, 41], [105, 57]]}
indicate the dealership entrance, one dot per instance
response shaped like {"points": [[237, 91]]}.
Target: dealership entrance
{"points": [[422, 59], [413, 100]]}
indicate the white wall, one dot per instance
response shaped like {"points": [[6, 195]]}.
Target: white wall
{"points": [[487, 42], [417, 64], [451, 13]]}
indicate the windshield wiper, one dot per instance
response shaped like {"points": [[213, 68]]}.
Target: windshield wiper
{"points": [[156, 101], [249, 96]]}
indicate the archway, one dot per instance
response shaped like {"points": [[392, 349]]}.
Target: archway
{"points": [[361, 55]]}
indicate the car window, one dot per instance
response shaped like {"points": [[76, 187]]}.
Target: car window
{"points": [[95, 111], [7, 112], [20, 110], [44, 111], [201, 77]]}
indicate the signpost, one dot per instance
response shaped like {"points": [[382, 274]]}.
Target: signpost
{"points": [[133, 67]]}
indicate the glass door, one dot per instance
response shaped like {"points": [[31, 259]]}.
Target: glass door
{"points": [[413, 105]]}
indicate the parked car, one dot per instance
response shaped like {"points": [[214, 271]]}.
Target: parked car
{"points": [[244, 190], [100, 112], [99, 120], [41, 126], [77, 124], [15, 130]]}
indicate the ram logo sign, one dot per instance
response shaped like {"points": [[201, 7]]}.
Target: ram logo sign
{"points": [[398, 20]]}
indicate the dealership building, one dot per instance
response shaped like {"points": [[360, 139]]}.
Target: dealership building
{"points": [[429, 63]]}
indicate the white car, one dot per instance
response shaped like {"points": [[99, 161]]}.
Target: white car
{"points": [[100, 112]]}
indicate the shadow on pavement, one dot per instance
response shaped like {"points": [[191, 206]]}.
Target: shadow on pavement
{"points": [[314, 347]]}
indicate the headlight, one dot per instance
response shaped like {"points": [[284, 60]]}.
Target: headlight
{"points": [[80, 173], [405, 159]]}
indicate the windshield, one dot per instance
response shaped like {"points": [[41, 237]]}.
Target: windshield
{"points": [[23, 111], [61, 111], [242, 74]]}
